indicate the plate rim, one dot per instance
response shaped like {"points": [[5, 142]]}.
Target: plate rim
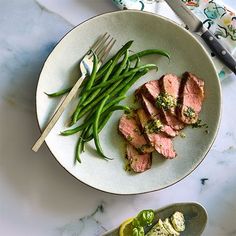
{"points": [[183, 30]]}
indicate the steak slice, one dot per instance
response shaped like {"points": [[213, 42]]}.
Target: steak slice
{"points": [[172, 121], [154, 112], [129, 128], [138, 162], [159, 140], [191, 98], [151, 90], [170, 84]]}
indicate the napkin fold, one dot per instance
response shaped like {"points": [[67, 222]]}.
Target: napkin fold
{"points": [[215, 15]]}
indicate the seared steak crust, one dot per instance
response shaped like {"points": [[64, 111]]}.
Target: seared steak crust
{"points": [[191, 98]]}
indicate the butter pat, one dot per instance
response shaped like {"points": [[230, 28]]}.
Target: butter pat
{"points": [[158, 230], [177, 220], [170, 228]]}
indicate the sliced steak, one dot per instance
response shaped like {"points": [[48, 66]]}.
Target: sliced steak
{"points": [[138, 162], [170, 84], [154, 112], [191, 98], [159, 140], [172, 121], [129, 128], [151, 90]]}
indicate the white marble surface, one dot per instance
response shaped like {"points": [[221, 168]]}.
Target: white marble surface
{"points": [[37, 196]]}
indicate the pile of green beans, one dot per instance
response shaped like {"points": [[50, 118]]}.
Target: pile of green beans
{"points": [[101, 92]]}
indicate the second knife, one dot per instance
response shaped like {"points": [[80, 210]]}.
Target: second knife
{"points": [[195, 25]]}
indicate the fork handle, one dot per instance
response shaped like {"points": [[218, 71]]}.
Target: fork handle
{"points": [[57, 114]]}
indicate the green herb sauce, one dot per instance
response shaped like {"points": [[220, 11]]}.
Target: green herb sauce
{"points": [[166, 101], [190, 113], [153, 126]]}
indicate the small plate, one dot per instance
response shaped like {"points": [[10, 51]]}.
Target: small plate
{"points": [[195, 218], [148, 31]]}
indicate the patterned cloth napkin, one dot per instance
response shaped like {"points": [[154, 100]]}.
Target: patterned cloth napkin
{"points": [[218, 18]]}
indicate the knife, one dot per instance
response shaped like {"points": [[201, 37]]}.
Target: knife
{"points": [[195, 25]]}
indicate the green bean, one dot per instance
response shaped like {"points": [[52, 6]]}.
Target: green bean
{"points": [[119, 70], [116, 58], [117, 78], [133, 79], [88, 86], [114, 62], [123, 64], [105, 117], [67, 90], [59, 93], [102, 70], [76, 129], [97, 100], [79, 146], [121, 90], [95, 128], [149, 52], [116, 108], [89, 119], [101, 126], [112, 91], [99, 75], [78, 150], [137, 62], [127, 67], [112, 58]]}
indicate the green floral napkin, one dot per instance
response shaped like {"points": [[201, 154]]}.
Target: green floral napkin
{"points": [[218, 18]]}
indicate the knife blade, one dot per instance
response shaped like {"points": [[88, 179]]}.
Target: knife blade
{"points": [[196, 26]]}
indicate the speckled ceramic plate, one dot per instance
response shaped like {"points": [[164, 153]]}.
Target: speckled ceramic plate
{"points": [[195, 218], [148, 31]]}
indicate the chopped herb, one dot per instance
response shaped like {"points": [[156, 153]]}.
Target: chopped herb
{"points": [[129, 116], [141, 149], [153, 126], [199, 124], [166, 101], [127, 112], [178, 105], [190, 113], [207, 131], [182, 135], [129, 138], [136, 130], [203, 181], [127, 167]]}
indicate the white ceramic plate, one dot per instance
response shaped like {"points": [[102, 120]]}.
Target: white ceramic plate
{"points": [[148, 31]]}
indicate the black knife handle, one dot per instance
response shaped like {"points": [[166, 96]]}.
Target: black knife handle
{"points": [[219, 50]]}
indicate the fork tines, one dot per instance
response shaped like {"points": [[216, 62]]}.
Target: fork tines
{"points": [[103, 46]]}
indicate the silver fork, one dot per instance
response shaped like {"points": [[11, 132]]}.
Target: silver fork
{"points": [[101, 48]]}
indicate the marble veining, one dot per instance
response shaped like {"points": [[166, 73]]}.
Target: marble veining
{"points": [[38, 197], [87, 225]]}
